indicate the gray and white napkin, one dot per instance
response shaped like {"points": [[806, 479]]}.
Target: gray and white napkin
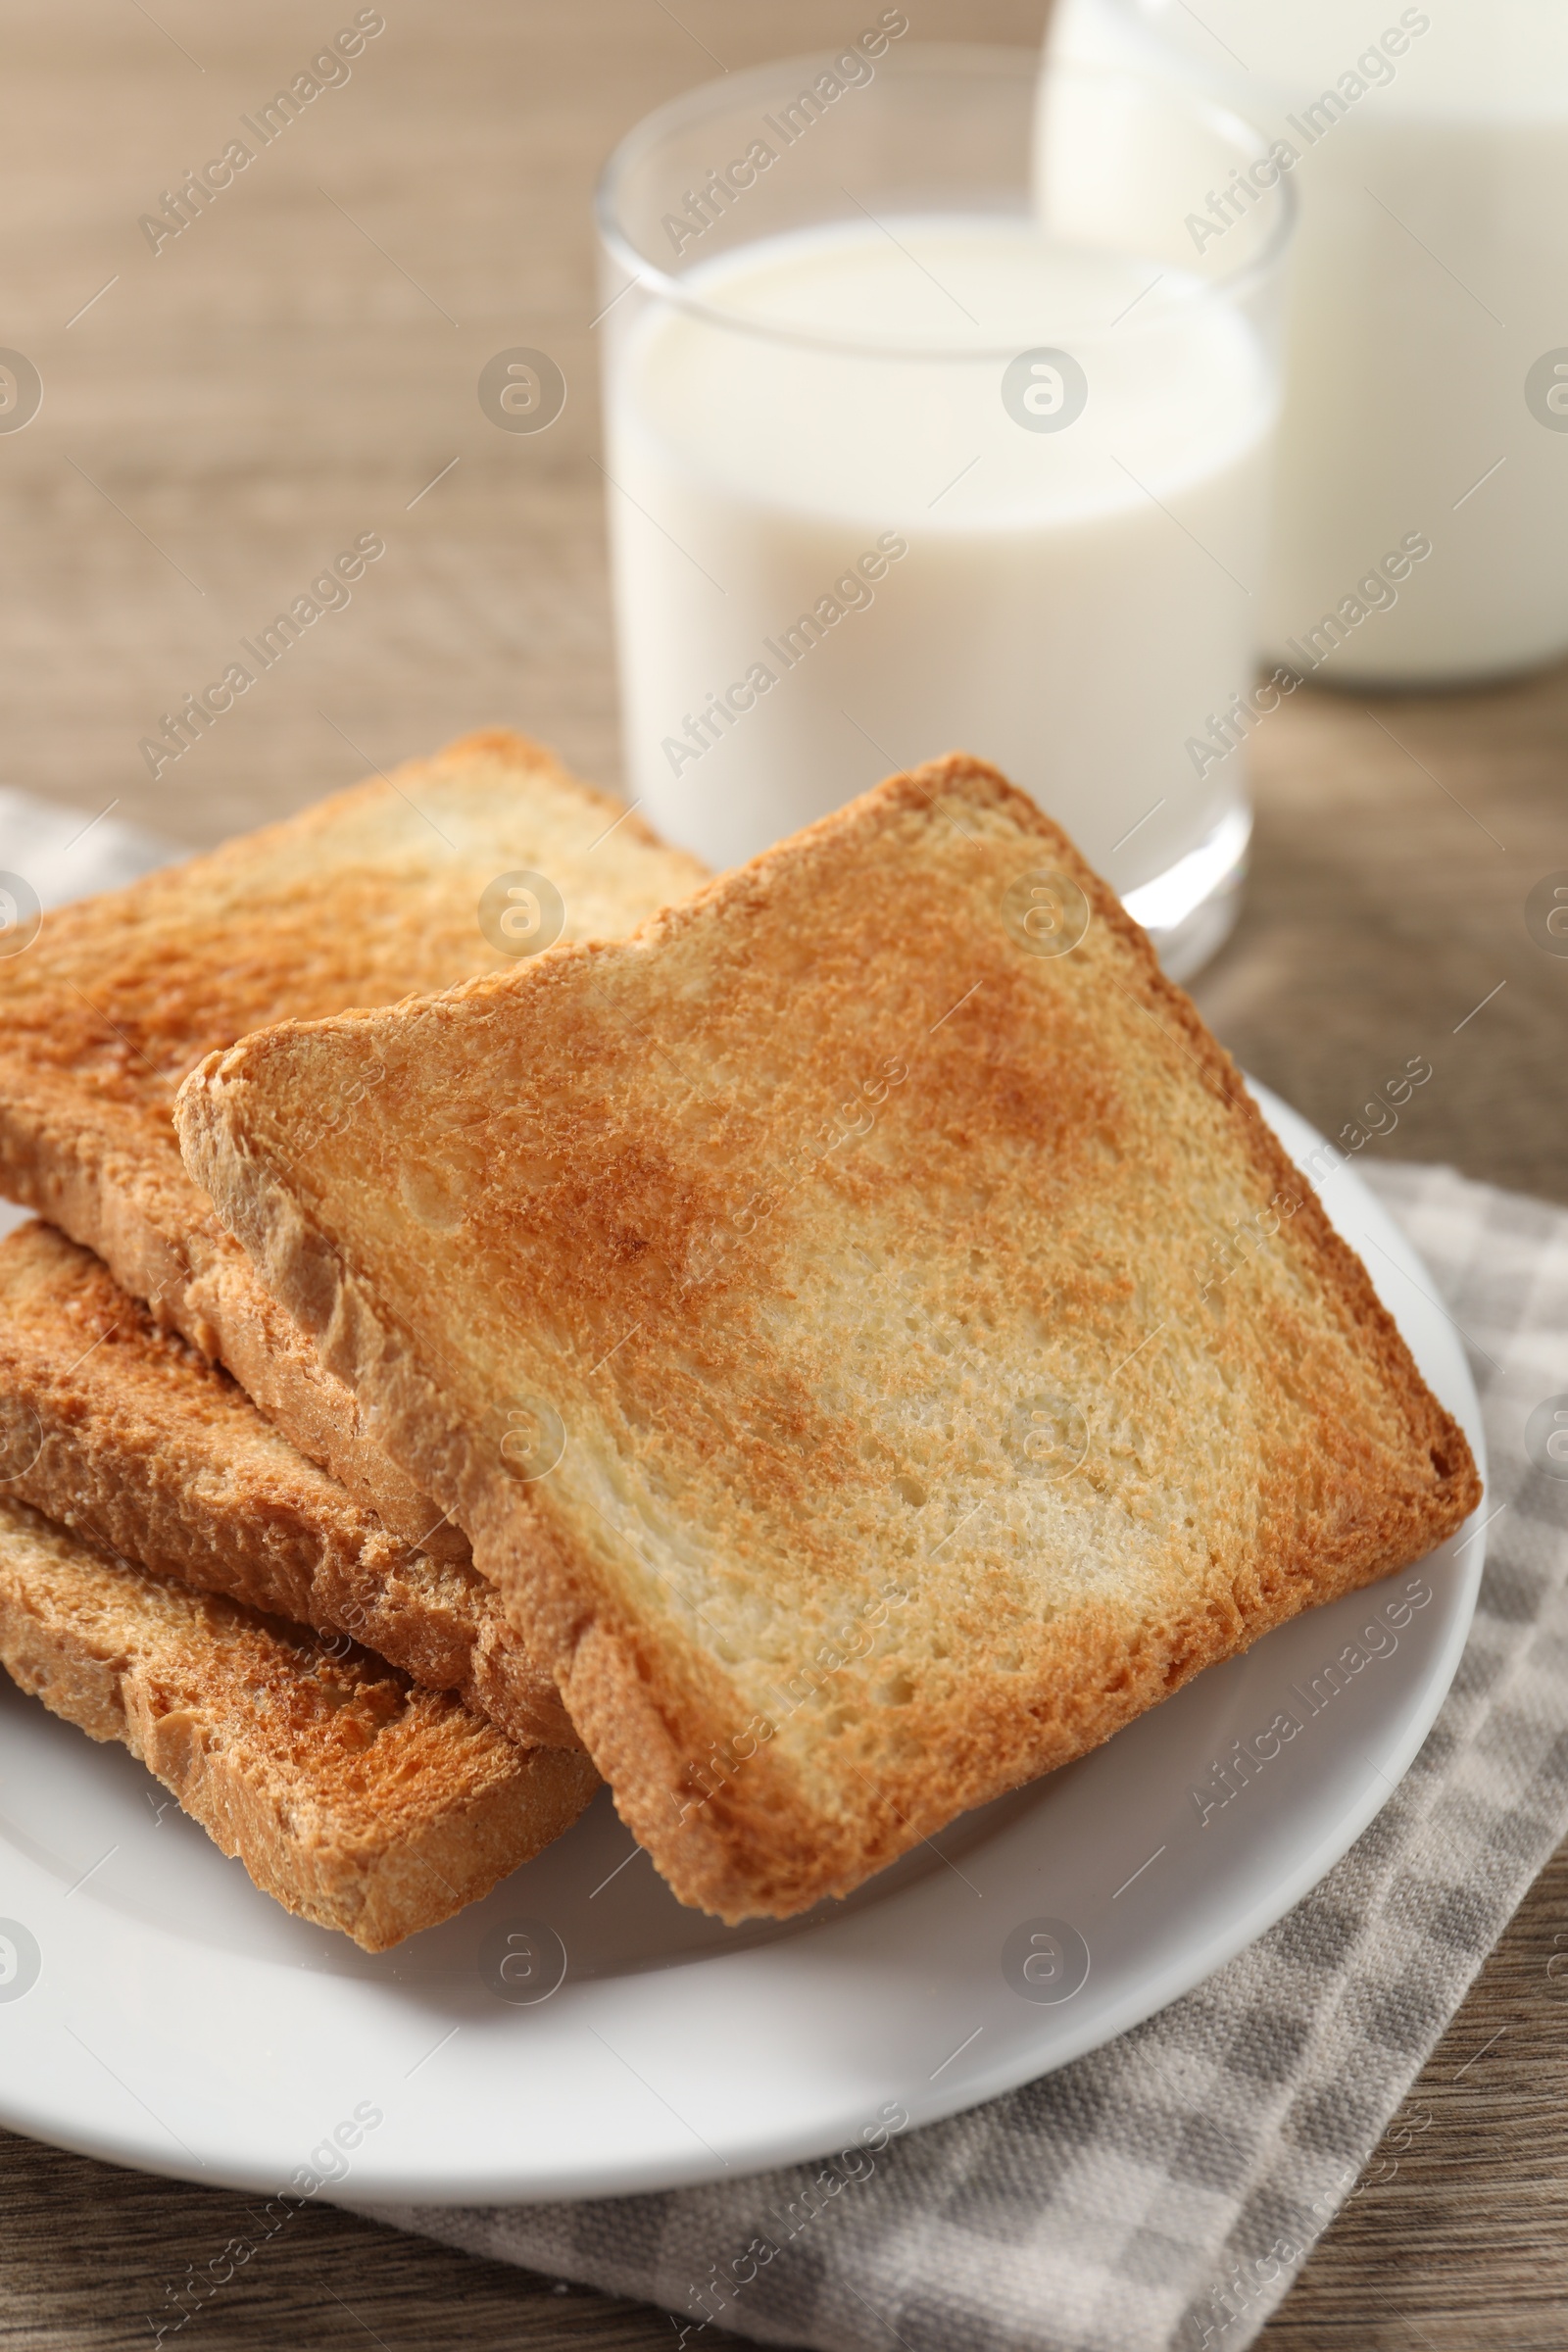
{"points": [[62, 853]]}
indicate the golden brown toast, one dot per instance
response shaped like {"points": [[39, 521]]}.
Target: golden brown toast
{"points": [[849, 1233], [357, 901], [353, 1797], [123, 1433]]}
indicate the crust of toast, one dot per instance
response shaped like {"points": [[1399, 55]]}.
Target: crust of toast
{"points": [[126, 1435], [357, 901], [949, 1362], [352, 1796]]}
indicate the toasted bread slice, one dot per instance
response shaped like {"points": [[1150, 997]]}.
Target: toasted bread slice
{"points": [[355, 1799], [852, 1233], [123, 1433], [355, 901]]}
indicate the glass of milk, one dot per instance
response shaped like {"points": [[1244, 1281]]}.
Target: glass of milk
{"points": [[1426, 409], [918, 440]]}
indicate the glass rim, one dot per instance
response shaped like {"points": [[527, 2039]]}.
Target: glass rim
{"points": [[974, 58]]}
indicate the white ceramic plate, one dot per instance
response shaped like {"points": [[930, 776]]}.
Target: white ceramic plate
{"points": [[157, 2011]]}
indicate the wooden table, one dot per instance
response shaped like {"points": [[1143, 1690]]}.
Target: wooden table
{"points": [[299, 367]]}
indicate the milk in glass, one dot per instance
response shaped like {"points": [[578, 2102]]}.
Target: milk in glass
{"points": [[886, 488]]}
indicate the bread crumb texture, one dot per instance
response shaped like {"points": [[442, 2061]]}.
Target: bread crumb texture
{"points": [[124, 1433], [353, 1797], [359, 899], [877, 1355]]}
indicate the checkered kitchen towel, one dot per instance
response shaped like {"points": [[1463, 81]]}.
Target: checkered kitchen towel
{"points": [[61, 854], [1164, 2191]]}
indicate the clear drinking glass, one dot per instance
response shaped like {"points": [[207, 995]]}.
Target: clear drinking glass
{"points": [[926, 429], [1423, 457]]}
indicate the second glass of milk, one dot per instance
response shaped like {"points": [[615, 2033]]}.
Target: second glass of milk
{"points": [[1427, 369], [920, 440]]}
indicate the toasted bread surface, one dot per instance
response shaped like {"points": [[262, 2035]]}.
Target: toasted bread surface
{"points": [[355, 1799], [123, 1432], [944, 1360], [358, 901]]}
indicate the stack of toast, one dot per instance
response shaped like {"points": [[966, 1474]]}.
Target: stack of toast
{"points": [[202, 1554], [816, 1347]]}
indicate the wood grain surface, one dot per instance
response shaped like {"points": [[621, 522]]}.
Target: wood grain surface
{"points": [[298, 368]]}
